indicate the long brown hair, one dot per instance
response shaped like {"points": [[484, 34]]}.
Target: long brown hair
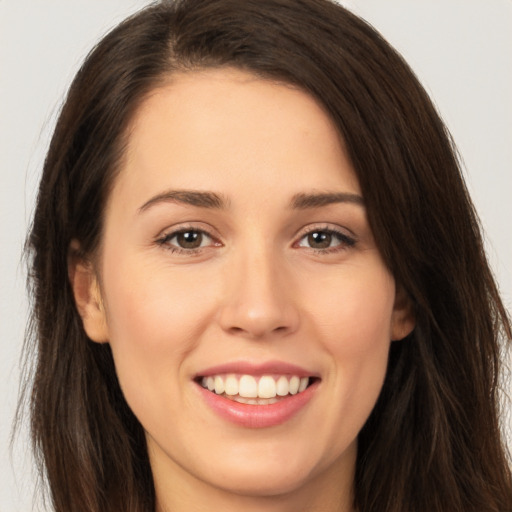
{"points": [[433, 441]]}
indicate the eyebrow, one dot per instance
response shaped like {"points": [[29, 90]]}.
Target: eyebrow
{"points": [[306, 201], [213, 200], [189, 197]]}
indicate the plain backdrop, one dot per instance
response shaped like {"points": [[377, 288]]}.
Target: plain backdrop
{"points": [[460, 49]]}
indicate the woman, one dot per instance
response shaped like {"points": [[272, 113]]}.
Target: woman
{"points": [[259, 280]]}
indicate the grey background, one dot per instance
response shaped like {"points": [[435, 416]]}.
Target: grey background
{"points": [[460, 49]]}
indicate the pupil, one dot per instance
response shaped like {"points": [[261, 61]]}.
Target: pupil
{"points": [[190, 239], [319, 240]]}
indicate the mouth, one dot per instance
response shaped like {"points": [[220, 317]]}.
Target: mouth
{"points": [[255, 390], [257, 395]]}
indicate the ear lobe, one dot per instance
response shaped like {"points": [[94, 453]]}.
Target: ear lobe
{"points": [[403, 319], [86, 291]]}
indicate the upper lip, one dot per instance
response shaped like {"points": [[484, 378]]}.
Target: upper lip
{"points": [[257, 369]]}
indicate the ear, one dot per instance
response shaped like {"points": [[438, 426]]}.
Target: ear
{"points": [[403, 319], [87, 293]]}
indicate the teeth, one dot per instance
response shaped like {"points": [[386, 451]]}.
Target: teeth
{"points": [[282, 386], [247, 389], [253, 401], [247, 386], [294, 385], [219, 385], [231, 385], [267, 387]]}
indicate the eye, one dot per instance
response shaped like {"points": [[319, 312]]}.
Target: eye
{"points": [[186, 240], [189, 239], [326, 240]]}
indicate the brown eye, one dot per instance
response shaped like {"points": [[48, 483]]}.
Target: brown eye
{"points": [[186, 241], [189, 239], [320, 239], [326, 240]]}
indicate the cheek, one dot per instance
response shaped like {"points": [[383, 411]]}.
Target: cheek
{"points": [[151, 306], [154, 322], [355, 315], [355, 329]]}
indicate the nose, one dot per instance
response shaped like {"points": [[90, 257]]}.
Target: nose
{"points": [[259, 300]]}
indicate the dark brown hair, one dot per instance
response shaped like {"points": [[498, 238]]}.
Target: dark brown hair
{"points": [[433, 442]]}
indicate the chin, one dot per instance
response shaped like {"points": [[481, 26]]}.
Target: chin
{"points": [[264, 483]]}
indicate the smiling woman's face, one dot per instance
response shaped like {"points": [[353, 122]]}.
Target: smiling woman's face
{"points": [[237, 256]]}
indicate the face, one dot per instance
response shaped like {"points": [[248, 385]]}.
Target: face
{"points": [[248, 309]]}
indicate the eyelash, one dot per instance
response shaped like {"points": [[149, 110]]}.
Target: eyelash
{"points": [[164, 241], [345, 241]]}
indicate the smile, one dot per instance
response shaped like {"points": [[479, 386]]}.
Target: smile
{"points": [[257, 396], [248, 389]]}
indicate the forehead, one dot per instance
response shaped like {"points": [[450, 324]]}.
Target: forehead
{"points": [[225, 128]]}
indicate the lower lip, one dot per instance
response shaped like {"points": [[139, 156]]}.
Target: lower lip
{"points": [[258, 416]]}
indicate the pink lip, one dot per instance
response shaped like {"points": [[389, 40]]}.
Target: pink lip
{"points": [[257, 416], [267, 368]]}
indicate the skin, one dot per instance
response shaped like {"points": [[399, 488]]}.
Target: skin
{"points": [[256, 290]]}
